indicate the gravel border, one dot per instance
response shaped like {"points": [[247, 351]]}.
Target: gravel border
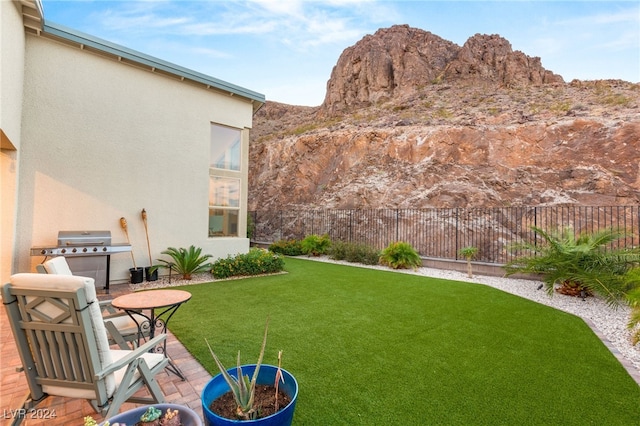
{"points": [[608, 323]]}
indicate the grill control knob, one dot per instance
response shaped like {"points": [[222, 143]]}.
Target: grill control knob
{"points": [[63, 251], [84, 250], [104, 249], [95, 249], [43, 252], [74, 250]]}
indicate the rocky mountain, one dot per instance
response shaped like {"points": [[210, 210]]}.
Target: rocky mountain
{"points": [[398, 61], [412, 120]]}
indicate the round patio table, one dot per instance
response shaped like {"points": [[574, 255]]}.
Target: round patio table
{"points": [[161, 304]]}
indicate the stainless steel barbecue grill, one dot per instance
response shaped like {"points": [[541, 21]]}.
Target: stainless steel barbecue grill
{"points": [[88, 253]]}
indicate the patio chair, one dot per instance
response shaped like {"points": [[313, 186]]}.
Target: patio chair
{"points": [[121, 327], [64, 350]]}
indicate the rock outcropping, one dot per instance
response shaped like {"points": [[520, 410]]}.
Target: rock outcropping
{"points": [[397, 61], [412, 120]]}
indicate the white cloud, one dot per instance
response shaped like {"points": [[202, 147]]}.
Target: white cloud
{"points": [[296, 23], [607, 18], [624, 40], [281, 7]]}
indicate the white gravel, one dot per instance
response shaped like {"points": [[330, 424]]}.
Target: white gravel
{"points": [[610, 324]]}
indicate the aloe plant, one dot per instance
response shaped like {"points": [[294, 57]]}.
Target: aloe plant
{"points": [[242, 388], [186, 261]]}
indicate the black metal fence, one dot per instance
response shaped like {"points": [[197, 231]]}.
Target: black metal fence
{"points": [[442, 232]]}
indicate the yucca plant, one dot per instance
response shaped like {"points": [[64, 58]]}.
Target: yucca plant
{"points": [[468, 253], [186, 261], [400, 255], [242, 387]]}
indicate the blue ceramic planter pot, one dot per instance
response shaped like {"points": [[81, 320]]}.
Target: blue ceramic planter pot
{"points": [[188, 417], [216, 387]]}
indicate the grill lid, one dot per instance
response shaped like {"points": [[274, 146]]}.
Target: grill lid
{"points": [[83, 238]]}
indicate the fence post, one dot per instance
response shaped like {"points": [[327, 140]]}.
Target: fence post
{"points": [[350, 226], [456, 231]]}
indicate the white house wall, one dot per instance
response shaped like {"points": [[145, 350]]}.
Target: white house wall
{"points": [[12, 42], [103, 140]]}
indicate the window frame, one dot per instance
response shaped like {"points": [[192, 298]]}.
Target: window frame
{"points": [[231, 174]]}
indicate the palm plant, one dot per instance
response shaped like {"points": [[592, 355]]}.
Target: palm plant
{"points": [[186, 261], [581, 266], [633, 298]]}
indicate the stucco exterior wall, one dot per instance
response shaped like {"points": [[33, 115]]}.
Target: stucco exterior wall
{"points": [[103, 140], [12, 42], [12, 45]]}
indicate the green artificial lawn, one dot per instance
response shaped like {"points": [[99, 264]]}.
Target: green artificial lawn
{"points": [[382, 348]]}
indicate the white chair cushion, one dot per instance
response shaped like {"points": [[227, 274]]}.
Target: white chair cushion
{"points": [[151, 359], [57, 265], [125, 325]]}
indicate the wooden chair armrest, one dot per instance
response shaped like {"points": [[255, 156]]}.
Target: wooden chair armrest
{"points": [[113, 315], [105, 305]]}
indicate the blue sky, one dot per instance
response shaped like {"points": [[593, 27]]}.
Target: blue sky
{"points": [[287, 49]]}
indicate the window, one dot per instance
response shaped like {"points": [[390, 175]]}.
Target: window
{"points": [[224, 181], [223, 222], [225, 148], [224, 192]]}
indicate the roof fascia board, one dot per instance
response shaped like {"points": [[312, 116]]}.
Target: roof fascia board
{"points": [[147, 60]]}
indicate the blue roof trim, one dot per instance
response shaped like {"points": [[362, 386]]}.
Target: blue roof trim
{"points": [[135, 56]]}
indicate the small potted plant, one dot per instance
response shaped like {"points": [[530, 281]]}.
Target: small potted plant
{"points": [[235, 384], [158, 414]]}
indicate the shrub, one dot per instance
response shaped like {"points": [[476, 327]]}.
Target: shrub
{"points": [[255, 262], [315, 245], [400, 255], [354, 252], [581, 265], [287, 247]]}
